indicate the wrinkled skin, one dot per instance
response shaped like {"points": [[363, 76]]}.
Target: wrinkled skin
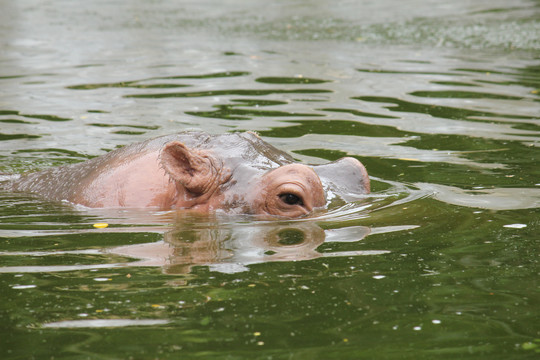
{"points": [[238, 173]]}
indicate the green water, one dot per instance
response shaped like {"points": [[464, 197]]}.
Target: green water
{"points": [[440, 100]]}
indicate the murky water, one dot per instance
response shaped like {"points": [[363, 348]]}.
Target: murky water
{"points": [[440, 100]]}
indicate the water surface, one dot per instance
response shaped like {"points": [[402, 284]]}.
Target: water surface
{"points": [[439, 100]]}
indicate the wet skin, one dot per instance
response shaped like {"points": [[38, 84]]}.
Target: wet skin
{"points": [[238, 173]]}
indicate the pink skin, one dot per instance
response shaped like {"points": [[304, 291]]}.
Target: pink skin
{"points": [[237, 172], [121, 186]]}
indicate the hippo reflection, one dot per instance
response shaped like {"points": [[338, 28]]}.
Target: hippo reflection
{"points": [[231, 249], [238, 173]]}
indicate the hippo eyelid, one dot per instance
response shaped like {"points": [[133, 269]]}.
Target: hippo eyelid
{"points": [[291, 199]]}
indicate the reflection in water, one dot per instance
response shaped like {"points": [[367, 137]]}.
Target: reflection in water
{"points": [[100, 323], [492, 199], [232, 249], [228, 249]]}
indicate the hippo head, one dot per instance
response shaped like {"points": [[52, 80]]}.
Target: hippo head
{"points": [[244, 174]]}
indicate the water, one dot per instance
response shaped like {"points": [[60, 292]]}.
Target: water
{"points": [[440, 100]]}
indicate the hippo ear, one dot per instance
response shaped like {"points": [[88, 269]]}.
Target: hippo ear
{"points": [[192, 168]]}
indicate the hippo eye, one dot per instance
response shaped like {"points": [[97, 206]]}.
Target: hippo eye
{"points": [[291, 199]]}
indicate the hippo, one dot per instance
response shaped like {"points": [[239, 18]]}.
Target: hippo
{"points": [[236, 172]]}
